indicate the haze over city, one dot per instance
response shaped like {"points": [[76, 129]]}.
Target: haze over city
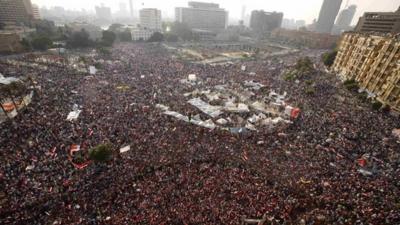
{"points": [[296, 9]]}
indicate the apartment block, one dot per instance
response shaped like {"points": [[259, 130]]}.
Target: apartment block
{"points": [[205, 16], [384, 22], [373, 60], [150, 19]]}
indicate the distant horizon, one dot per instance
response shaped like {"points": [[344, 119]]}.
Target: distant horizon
{"points": [[298, 10]]}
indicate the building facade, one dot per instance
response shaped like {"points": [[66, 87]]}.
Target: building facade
{"points": [[262, 22], [150, 19], [305, 38], [205, 16], [374, 62], [384, 22], [141, 34], [346, 16], [15, 11], [327, 16], [35, 12]]}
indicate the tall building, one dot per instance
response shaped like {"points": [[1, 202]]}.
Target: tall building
{"points": [[131, 7], [123, 11], [35, 12], [150, 19], [327, 15], [262, 22], [199, 15], [103, 13], [373, 61], [346, 16], [384, 22], [15, 11]]}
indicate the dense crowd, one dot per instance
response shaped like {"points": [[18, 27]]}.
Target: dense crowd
{"points": [[336, 164]]}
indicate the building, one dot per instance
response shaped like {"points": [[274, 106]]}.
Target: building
{"points": [[346, 16], [262, 22], [305, 38], [327, 16], [35, 12], [141, 34], [343, 22], [15, 11], [292, 24], [123, 11], [103, 13], [131, 8], [373, 60], [204, 16], [10, 43], [150, 19], [385, 22]]}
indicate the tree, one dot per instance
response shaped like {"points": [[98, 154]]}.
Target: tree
{"points": [[41, 43], [108, 38], [171, 37], [79, 39], [328, 58], [101, 153], [26, 44], [45, 28], [115, 27], [156, 37], [125, 36]]}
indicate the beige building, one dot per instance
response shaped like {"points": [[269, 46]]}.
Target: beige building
{"points": [[305, 38], [384, 22], [150, 19], [374, 62], [15, 11], [203, 16]]}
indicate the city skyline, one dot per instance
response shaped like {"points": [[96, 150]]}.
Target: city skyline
{"points": [[300, 10]]}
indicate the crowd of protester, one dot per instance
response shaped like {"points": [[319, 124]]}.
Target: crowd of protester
{"points": [[336, 164]]}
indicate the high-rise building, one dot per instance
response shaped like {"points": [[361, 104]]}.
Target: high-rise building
{"points": [[123, 11], [262, 22], [373, 61], [346, 16], [131, 7], [199, 15], [384, 22], [327, 15], [35, 12], [150, 19], [15, 11], [103, 13]]}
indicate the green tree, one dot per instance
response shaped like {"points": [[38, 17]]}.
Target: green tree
{"points": [[125, 36], [182, 30], [108, 38], [79, 39], [328, 58], [115, 27], [45, 28], [156, 37], [41, 43], [101, 153], [26, 44]]}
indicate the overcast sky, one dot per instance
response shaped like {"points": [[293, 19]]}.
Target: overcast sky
{"points": [[296, 9]]}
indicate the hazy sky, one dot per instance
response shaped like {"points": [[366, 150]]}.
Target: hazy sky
{"points": [[296, 9]]}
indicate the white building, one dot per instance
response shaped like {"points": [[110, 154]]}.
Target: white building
{"points": [[150, 19], [204, 16], [141, 34]]}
